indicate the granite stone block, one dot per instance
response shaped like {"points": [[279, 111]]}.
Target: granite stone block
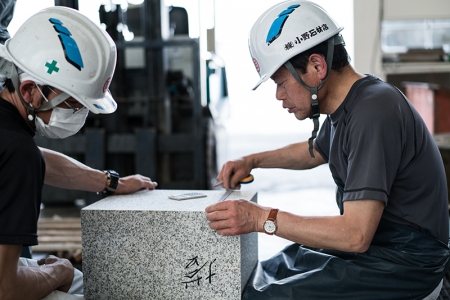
{"points": [[147, 246]]}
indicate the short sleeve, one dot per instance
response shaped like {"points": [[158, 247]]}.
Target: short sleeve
{"points": [[373, 147], [322, 142], [22, 170]]}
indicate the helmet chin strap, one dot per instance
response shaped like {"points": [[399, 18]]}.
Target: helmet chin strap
{"points": [[315, 111], [58, 99]]}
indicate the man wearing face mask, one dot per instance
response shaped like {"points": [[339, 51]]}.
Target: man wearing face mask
{"points": [[55, 69]]}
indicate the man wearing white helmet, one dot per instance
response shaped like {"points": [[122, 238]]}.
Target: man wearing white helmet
{"points": [[391, 239], [55, 69]]}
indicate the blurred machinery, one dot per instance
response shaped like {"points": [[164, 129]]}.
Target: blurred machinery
{"points": [[168, 98]]}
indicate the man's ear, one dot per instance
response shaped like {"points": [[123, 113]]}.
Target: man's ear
{"points": [[26, 89], [319, 64]]}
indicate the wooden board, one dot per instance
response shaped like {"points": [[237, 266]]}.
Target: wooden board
{"points": [[59, 235]]}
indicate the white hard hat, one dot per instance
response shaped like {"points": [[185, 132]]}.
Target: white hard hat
{"points": [[285, 30], [64, 49]]}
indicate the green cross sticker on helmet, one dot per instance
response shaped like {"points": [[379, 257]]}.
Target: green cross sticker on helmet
{"points": [[51, 67], [61, 41]]}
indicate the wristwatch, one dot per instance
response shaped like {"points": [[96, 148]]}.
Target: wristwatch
{"points": [[112, 180], [270, 225]]}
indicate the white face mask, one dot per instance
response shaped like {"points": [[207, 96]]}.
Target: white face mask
{"points": [[63, 123]]}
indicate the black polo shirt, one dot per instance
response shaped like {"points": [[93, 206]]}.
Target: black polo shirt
{"points": [[22, 171], [379, 148]]}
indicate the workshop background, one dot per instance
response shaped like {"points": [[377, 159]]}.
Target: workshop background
{"points": [[183, 86]]}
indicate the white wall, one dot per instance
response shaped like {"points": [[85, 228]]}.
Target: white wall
{"points": [[416, 9], [367, 17]]}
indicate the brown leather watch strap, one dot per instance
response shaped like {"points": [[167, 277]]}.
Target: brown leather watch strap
{"points": [[273, 214]]}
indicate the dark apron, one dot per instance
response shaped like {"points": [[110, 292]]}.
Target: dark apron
{"points": [[401, 263]]}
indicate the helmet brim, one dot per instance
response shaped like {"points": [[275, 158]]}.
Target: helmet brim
{"points": [[105, 105], [39, 50], [266, 76], [286, 30], [263, 79]]}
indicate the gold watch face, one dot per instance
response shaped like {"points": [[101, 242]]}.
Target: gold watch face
{"points": [[270, 226]]}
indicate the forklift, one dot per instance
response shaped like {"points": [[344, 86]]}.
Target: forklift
{"points": [[167, 96]]}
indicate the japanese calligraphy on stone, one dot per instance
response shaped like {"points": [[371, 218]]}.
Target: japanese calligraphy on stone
{"points": [[198, 272]]}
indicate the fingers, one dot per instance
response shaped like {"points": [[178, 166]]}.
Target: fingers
{"points": [[219, 215], [227, 173], [48, 260], [232, 217], [148, 184], [231, 183], [145, 182], [217, 206], [228, 231], [64, 269], [222, 223], [133, 183], [231, 173]]}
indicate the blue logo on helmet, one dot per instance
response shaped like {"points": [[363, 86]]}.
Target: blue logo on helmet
{"points": [[278, 23], [71, 51]]}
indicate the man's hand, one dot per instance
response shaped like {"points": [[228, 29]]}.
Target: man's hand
{"points": [[235, 217], [134, 183], [65, 172], [66, 268], [234, 171]]}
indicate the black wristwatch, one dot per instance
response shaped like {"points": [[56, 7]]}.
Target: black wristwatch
{"points": [[112, 181]]}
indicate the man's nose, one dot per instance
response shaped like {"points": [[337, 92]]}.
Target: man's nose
{"points": [[280, 94]]}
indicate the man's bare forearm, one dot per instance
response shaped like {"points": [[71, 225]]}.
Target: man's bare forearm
{"points": [[32, 282], [65, 172], [294, 157]]}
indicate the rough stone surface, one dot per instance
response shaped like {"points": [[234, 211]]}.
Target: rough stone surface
{"points": [[147, 246]]}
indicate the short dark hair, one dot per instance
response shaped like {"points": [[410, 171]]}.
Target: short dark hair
{"points": [[340, 56]]}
